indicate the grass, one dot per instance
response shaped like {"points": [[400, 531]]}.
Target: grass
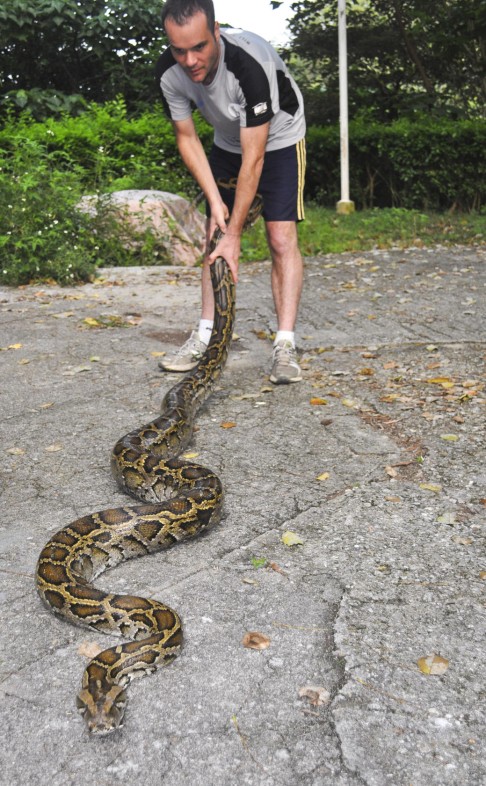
{"points": [[326, 232]]}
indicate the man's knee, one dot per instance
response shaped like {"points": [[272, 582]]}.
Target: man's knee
{"points": [[282, 238]]}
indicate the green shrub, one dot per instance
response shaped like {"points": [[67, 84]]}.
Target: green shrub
{"points": [[111, 151], [45, 168], [42, 235], [426, 165]]}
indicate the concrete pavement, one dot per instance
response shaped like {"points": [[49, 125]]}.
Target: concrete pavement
{"points": [[376, 461]]}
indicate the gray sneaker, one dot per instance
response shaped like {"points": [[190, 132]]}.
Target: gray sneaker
{"points": [[285, 368], [185, 358]]}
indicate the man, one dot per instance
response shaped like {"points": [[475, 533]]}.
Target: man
{"points": [[241, 86]]}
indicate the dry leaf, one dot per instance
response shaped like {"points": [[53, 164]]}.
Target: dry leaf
{"points": [[228, 424], [323, 476], [54, 448], [449, 437], [157, 354], [76, 370], [445, 382], [482, 575], [317, 695], [16, 451], [461, 541], [92, 322], [393, 499], [366, 372], [433, 664], [89, 649], [318, 402], [435, 487], [391, 471], [449, 517], [15, 346], [47, 405], [348, 402], [255, 641], [291, 539], [190, 455], [274, 566], [24, 362]]}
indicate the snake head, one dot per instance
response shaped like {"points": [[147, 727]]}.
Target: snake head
{"points": [[103, 709]]}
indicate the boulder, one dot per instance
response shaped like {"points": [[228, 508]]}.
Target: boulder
{"points": [[176, 224]]}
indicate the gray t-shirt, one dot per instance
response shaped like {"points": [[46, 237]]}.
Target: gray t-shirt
{"points": [[252, 86]]}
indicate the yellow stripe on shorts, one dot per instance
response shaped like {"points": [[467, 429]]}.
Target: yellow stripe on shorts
{"points": [[301, 164]]}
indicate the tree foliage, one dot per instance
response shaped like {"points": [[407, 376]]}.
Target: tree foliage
{"points": [[57, 54], [404, 57]]}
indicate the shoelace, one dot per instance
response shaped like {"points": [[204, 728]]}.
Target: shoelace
{"points": [[285, 354]]}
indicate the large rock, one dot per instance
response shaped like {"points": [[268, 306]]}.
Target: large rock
{"points": [[179, 228]]}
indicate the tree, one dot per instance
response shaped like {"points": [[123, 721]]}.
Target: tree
{"points": [[59, 53], [404, 56]]}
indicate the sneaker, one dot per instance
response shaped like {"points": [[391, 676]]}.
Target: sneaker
{"points": [[187, 357], [285, 368]]}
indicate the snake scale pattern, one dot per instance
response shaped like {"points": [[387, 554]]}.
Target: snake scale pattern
{"points": [[181, 499]]}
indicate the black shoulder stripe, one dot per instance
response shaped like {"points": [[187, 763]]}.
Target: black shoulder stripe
{"points": [[288, 99], [253, 81]]}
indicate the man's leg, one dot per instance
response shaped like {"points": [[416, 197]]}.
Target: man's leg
{"points": [[287, 277], [287, 271]]}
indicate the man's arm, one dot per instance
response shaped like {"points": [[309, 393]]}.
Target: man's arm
{"points": [[195, 159], [253, 142]]}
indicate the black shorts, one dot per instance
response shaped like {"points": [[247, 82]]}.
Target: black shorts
{"points": [[281, 183]]}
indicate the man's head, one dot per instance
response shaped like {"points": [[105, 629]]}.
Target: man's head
{"points": [[193, 37], [180, 11]]}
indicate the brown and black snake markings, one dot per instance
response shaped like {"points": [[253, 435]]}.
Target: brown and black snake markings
{"points": [[181, 499]]}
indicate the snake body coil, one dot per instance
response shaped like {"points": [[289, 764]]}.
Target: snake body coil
{"points": [[181, 500]]}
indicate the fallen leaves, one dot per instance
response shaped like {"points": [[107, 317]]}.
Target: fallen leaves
{"points": [[89, 649], [291, 539], [460, 540], [111, 321], [317, 695], [435, 488], [55, 448], [445, 382], [71, 372], [253, 640], [228, 424], [434, 665], [323, 476], [318, 402]]}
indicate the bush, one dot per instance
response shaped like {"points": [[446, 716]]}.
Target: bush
{"points": [[45, 168], [42, 235], [426, 165], [109, 150]]}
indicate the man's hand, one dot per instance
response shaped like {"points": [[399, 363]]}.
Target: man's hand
{"points": [[218, 218], [228, 248], [253, 142]]}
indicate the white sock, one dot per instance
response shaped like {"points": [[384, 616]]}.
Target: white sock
{"points": [[205, 329], [285, 335]]}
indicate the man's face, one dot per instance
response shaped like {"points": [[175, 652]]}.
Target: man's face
{"points": [[195, 47]]}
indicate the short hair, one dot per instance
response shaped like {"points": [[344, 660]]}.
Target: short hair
{"points": [[182, 10]]}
